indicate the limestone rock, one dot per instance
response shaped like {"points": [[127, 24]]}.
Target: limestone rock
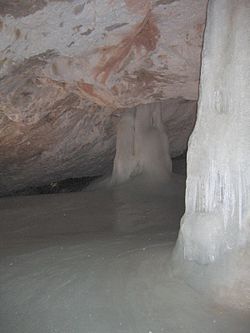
{"points": [[68, 67]]}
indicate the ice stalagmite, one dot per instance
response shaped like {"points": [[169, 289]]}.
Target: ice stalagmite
{"points": [[142, 147], [218, 168]]}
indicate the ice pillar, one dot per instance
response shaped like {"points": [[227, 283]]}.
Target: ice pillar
{"points": [[218, 168], [142, 147]]}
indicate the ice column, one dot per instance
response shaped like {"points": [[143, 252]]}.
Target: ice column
{"points": [[218, 168], [142, 147]]}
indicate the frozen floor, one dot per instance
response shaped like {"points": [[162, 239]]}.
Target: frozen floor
{"points": [[100, 262]]}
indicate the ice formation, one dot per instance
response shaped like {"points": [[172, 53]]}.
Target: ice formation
{"points": [[142, 147], [218, 168]]}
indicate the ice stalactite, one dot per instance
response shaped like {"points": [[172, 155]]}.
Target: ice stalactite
{"points": [[142, 147], [218, 167]]}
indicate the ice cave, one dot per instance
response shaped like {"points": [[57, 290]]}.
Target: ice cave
{"points": [[124, 166]]}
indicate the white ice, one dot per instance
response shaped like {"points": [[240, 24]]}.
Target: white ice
{"points": [[216, 219], [99, 262], [142, 147]]}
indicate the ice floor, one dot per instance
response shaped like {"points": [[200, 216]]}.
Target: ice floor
{"points": [[99, 262]]}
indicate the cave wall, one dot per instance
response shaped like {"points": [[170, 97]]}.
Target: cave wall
{"points": [[118, 53], [69, 68], [76, 139]]}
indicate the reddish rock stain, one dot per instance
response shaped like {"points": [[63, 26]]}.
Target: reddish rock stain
{"points": [[144, 35], [138, 5]]}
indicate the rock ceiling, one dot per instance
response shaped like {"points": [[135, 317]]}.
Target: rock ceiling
{"points": [[69, 68]]}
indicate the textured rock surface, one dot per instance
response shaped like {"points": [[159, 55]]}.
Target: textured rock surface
{"points": [[66, 67], [76, 139]]}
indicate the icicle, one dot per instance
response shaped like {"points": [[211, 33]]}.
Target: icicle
{"points": [[218, 177], [142, 146]]}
